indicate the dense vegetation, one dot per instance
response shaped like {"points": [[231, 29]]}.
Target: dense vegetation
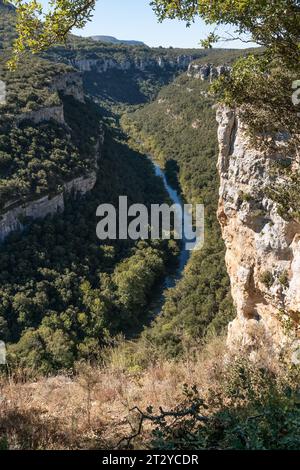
{"points": [[31, 86], [39, 159], [69, 292], [75, 296], [7, 27], [118, 89], [36, 159], [191, 404], [65, 298], [180, 132]]}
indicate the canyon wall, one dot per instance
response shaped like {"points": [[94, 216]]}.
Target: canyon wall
{"points": [[102, 65], [207, 71], [262, 249], [18, 217]]}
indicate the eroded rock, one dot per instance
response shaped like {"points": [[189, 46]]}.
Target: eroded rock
{"points": [[262, 249]]}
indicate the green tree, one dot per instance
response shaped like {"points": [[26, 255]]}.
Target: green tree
{"points": [[39, 29]]}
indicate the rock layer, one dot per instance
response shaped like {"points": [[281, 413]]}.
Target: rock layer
{"points": [[16, 218], [43, 114], [104, 65], [207, 71], [262, 249]]}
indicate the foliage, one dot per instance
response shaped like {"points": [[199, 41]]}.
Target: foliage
{"points": [[38, 158], [285, 191], [255, 410], [274, 25], [64, 297], [38, 29]]}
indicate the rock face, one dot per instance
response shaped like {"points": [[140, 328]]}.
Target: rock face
{"points": [[263, 249], [70, 84], [17, 217], [43, 114], [207, 71], [103, 65], [14, 219]]}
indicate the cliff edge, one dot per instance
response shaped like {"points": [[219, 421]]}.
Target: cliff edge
{"points": [[262, 249]]}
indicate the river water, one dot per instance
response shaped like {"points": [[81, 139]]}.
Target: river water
{"points": [[171, 280]]}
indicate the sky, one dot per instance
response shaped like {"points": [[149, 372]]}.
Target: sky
{"points": [[134, 19]]}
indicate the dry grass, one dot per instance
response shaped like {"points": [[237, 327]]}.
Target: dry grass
{"points": [[91, 408]]}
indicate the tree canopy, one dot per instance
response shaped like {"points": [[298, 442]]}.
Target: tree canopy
{"points": [[274, 24], [39, 29]]}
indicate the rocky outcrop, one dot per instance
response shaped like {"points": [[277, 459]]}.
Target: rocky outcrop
{"points": [[207, 71], [262, 249], [139, 63], [18, 217], [43, 114], [69, 84]]}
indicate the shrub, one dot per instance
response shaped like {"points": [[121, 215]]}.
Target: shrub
{"points": [[267, 278]]}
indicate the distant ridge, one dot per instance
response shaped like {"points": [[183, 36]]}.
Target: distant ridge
{"points": [[113, 40]]}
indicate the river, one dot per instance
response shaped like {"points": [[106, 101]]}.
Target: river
{"points": [[171, 279]]}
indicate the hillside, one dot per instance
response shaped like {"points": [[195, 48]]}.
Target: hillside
{"points": [[114, 40]]}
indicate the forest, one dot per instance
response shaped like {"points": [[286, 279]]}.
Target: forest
{"points": [[64, 298]]}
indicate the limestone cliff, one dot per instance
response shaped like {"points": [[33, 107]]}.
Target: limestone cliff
{"points": [[69, 84], [43, 114], [207, 71], [262, 249], [16, 217], [102, 65]]}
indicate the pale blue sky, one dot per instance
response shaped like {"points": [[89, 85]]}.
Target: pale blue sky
{"points": [[134, 19]]}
